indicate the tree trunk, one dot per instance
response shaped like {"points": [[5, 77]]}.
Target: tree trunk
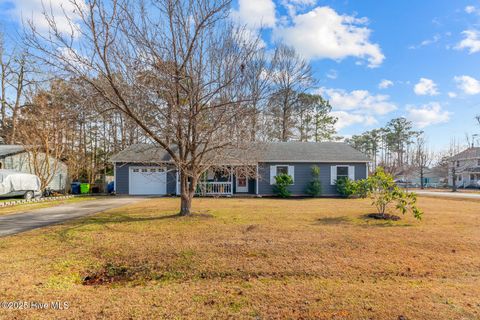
{"points": [[187, 191], [454, 179], [185, 205], [422, 186]]}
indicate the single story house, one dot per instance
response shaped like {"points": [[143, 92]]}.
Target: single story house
{"points": [[144, 169], [15, 157], [432, 178], [466, 167]]}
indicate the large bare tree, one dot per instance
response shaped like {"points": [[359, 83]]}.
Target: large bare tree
{"points": [[291, 75], [41, 128], [15, 79], [176, 68], [422, 158]]}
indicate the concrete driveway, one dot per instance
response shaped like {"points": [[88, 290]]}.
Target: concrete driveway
{"points": [[37, 218], [459, 195]]}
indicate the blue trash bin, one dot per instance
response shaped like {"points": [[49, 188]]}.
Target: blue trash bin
{"points": [[111, 187], [75, 186]]}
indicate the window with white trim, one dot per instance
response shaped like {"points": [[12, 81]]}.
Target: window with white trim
{"points": [[281, 170], [342, 172], [276, 170]]}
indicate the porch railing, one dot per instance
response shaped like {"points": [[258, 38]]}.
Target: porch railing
{"points": [[214, 188]]}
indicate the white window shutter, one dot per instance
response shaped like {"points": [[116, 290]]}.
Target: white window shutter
{"points": [[333, 175], [351, 172], [291, 172], [273, 173]]}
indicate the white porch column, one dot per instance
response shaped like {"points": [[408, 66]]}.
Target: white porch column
{"points": [[231, 181], [177, 184]]}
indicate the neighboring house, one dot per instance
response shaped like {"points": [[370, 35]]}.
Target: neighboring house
{"points": [[15, 157], [466, 168], [149, 170], [432, 177]]}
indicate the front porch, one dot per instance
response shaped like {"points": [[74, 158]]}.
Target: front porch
{"points": [[227, 181], [469, 179]]}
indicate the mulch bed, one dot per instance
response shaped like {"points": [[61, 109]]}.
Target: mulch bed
{"points": [[386, 216]]}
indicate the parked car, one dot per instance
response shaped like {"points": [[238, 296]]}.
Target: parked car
{"points": [[15, 184]]}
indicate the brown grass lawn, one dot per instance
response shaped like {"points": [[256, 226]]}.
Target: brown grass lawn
{"points": [[250, 258]]}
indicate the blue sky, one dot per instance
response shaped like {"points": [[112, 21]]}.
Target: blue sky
{"points": [[425, 53], [422, 48]]}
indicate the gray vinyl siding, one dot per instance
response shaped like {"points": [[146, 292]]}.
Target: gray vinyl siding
{"points": [[21, 162], [121, 178], [171, 180], [122, 175], [303, 175]]}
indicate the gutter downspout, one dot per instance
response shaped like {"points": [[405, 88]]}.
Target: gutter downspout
{"points": [[114, 177], [256, 181]]}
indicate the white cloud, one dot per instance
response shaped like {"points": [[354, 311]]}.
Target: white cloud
{"points": [[427, 42], [359, 101], [384, 84], [255, 14], [332, 74], [346, 119], [427, 114], [470, 9], [452, 94], [323, 33], [301, 2], [471, 41], [468, 85], [63, 11], [425, 87]]}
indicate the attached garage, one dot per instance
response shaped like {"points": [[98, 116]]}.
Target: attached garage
{"points": [[147, 181]]}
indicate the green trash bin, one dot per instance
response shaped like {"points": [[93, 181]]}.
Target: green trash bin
{"points": [[84, 188]]}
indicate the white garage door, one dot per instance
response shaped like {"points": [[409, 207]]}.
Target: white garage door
{"points": [[148, 181]]}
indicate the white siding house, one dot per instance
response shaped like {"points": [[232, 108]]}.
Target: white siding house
{"points": [[15, 157], [466, 168]]}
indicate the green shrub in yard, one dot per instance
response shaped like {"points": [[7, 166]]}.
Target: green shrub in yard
{"points": [[345, 187], [314, 187], [282, 182]]}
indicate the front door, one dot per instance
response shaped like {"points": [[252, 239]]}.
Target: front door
{"points": [[242, 184]]}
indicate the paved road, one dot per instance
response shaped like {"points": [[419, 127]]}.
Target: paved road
{"points": [[37, 218], [460, 195]]}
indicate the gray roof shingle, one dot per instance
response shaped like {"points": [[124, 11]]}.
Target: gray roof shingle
{"points": [[470, 153], [9, 149], [264, 152]]}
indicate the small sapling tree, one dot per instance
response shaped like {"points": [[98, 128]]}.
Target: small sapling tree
{"points": [[384, 193]]}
